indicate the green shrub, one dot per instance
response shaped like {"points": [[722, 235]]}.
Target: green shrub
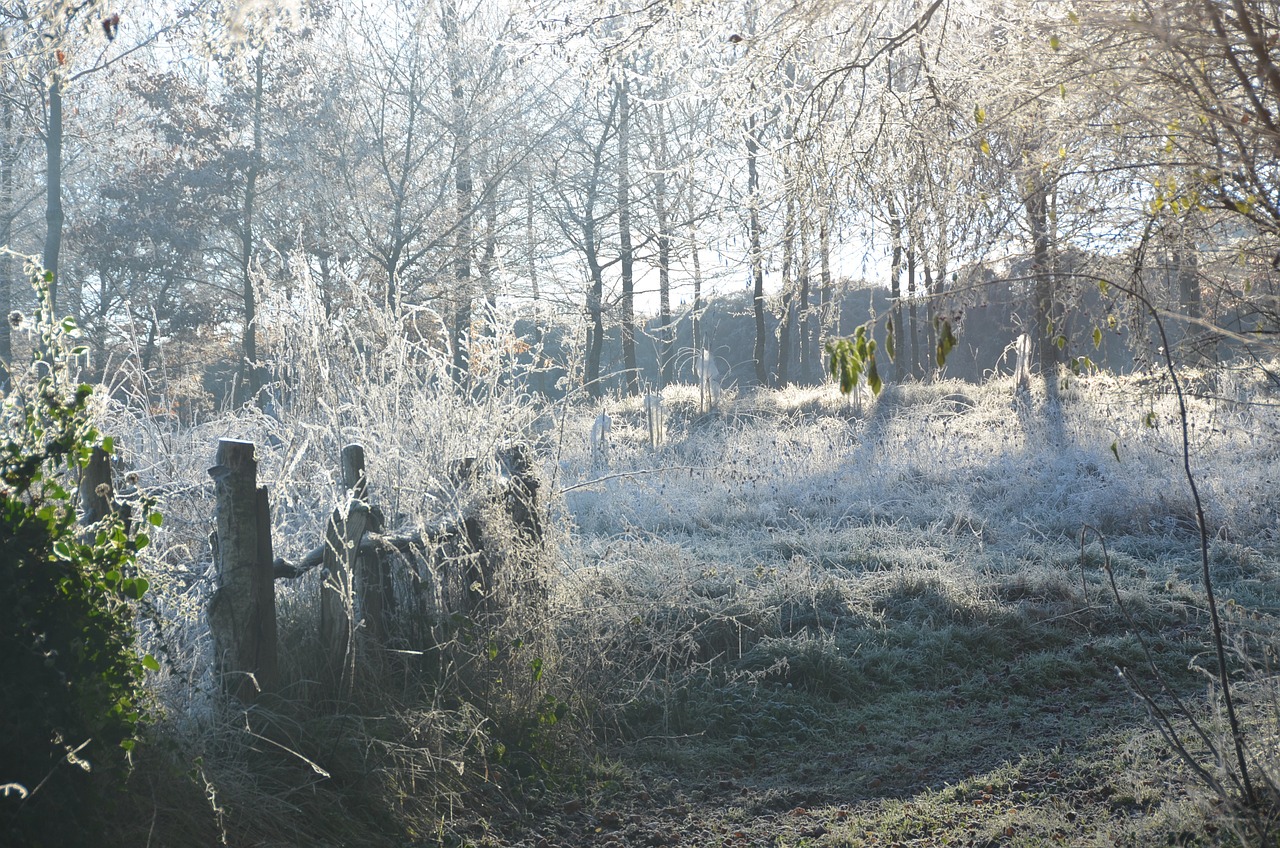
{"points": [[71, 699]]}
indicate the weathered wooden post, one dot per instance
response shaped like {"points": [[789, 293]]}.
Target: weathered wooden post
{"points": [[242, 613], [343, 535], [95, 501], [372, 575], [522, 492]]}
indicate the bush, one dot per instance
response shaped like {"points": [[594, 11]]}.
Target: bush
{"points": [[71, 702]]}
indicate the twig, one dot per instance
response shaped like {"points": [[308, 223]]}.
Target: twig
{"points": [[621, 474]]}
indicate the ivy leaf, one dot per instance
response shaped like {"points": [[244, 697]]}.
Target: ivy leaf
{"points": [[1097, 338], [150, 663]]}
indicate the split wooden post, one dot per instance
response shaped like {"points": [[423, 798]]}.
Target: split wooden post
{"points": [[343, 535], [242, 613], [373, 594]]}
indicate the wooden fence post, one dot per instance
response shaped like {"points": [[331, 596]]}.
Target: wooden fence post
{"points": [[372, 575], [522, 492], [242, 613], [95, 504], [343, 535]]}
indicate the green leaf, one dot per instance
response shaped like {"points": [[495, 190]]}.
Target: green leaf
{"points": [[1115, 450], [873, 377], [946, 340], [536, 665], [155, 519], [138, 588], [1054, 43], [150, 663], [1061, 342], [109, 445], [890, 341], [1097, 338], [1149, 420], [979, 114], [984, 147]]}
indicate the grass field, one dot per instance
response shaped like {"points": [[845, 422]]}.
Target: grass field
{"points": [[802, 619], [812, 624]]}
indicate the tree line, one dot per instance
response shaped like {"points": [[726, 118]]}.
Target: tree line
{"points": [[497, 175]]}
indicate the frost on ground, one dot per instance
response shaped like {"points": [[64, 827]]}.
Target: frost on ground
{"points": [[842, 600], [876, 612]]}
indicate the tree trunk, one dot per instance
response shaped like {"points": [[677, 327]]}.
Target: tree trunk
{"points": [[595, 294], [249, 383], [662, 214], [539, 373], [1048, 323], [463, 202], [930, 329], [595, 311], [489, 257], [7, 275], [829, 318], [53, 214], [913, 313], [757, 255], [1198, 345], [805, 319], [627, 255], [697, 290], [787, 318], [895, 292]]}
